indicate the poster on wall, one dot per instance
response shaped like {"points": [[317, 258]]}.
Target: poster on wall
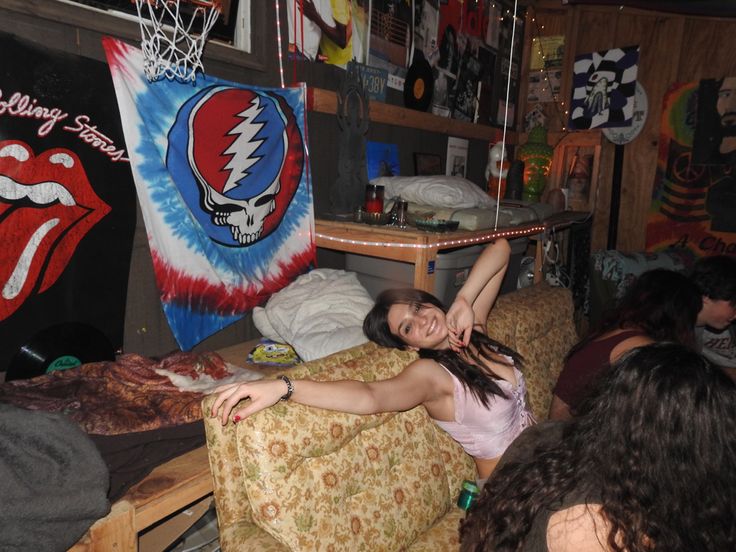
{"points": [[493, 17], [465, 64], [693, 205], [446, 60], [221, 174], [547, 52], [457, 156], [545, 74], [331, 31], [390, 40], [426, 24], [544, 86], [67, 201], [604, 84], [382, 159]]}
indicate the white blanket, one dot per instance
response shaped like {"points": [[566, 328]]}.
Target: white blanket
{"points": [[318, 314], [453, 192]]}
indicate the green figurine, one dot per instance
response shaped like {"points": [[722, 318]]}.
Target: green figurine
{"points": [[537, 157]]}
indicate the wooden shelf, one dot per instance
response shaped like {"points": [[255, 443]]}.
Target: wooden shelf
{"points": [[325, 101]]}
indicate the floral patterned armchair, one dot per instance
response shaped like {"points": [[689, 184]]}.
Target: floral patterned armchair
{"points": [[298, 478]]}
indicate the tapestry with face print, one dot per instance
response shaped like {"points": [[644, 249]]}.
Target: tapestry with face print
{"points": [[715, 123], [693, 206], [222, 178], [604, 84]]}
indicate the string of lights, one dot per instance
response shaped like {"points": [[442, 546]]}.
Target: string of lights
{"points": [[279, 43], [459, 242]]}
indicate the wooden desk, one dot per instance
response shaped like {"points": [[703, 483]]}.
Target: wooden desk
{"points": [[409, 245]]}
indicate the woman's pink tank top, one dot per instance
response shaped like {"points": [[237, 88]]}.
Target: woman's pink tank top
{"points": [[486, 432]]}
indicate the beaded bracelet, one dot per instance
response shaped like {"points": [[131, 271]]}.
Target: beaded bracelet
{"points": [[289, 388]]}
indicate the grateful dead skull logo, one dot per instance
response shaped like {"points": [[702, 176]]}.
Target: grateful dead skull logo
{"points": [[236, 156]]}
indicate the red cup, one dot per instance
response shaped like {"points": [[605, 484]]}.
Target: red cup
{"points": [[374, 198]]}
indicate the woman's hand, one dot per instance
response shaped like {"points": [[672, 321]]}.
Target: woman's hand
{"points": [[262, 394], [460, 318]]}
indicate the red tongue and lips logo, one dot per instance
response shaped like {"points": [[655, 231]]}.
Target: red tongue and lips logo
{"points": [[47, 206]]}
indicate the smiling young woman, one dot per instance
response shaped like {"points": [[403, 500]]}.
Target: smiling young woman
{"points": [[470, 385]]}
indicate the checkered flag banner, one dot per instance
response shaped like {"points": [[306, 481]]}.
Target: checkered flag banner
{"points": [[603, 89]]}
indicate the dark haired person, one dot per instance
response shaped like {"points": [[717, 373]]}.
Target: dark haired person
{"points": [[470, 385], [715, 277], [648, 465], [660, 305]]}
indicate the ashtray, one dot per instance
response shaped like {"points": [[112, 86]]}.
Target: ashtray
{"points": [[437, 225]]}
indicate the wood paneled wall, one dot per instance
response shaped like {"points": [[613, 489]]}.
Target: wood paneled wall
{"points": [[673, 48], [69, 28]]}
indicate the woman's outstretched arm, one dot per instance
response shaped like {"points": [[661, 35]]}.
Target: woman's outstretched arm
{"points": [[417, 383], [476, 297]]}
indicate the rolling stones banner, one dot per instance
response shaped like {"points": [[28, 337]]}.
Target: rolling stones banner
{"points": [[693, 205], [67, 201], [222, 179]]}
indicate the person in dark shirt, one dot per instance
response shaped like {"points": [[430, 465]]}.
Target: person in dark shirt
{"points": [[659, 305]]}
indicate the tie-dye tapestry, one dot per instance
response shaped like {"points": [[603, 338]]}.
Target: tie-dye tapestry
{"points": [[693, 207], [222, 178], [67, 200], [604, 84]]}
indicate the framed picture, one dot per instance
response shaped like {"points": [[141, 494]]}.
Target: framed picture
{"points": [[575, 167], [457, 156], [427, 164], [382, 159]]}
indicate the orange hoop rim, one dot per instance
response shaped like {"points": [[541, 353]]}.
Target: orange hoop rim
{"points": [[207, 4]]}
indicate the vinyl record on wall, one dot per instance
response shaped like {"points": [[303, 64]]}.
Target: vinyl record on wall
{"points": [[419, 85], [59, 347]]}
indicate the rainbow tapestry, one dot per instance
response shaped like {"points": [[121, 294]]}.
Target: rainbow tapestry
{"points": [[221, 175], [692, 204]]}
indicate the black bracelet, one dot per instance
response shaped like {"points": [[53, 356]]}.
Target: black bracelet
{"points": [[289, 388]]}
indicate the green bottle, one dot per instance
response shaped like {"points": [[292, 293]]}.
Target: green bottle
{"points": [[468, 495]]}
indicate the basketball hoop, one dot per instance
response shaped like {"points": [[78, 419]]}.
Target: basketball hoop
{"points": [[175, 52]]}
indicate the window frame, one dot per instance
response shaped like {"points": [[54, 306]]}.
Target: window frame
{"points": [[113, 24]]}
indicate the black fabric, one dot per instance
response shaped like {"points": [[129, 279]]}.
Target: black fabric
{"points": [[130, 457], [53, 482]]}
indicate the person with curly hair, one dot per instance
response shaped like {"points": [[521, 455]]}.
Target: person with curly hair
{"points": [[469, 384], [660, 305], [648, 465]]}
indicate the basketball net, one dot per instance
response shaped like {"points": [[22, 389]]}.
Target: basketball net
{"points": [[176, 52]]}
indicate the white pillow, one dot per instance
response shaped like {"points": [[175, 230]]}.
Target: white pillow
{"points": [[318, 314], [454, 192]]}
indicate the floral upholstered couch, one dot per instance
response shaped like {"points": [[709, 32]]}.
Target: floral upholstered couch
{"points": [[299, 478]]}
